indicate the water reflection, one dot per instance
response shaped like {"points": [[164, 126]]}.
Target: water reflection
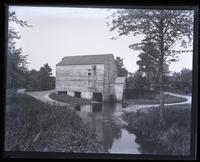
{"points": [[102, 119], [125, 144], [115, 137]]}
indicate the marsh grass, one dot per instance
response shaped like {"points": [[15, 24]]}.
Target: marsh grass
{"points": [[174, 137]]}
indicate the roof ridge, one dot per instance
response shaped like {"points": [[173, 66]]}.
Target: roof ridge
{"points": [[84, 59], [87, 55]]}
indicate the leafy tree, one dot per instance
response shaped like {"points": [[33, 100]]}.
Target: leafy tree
{"points": [[41, 80], [122, 71], [16, 61], [137, 86], [161, 27], [181, 81], [44, 75], [136, 81], [148, 64], [32, 80]]}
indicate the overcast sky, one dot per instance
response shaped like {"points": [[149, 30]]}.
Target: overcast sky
{"points": [[65, 31]]}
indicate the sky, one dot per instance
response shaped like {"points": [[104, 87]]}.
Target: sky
{"points": [[57, 32]]}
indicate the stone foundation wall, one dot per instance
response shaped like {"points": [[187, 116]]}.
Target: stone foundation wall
{"points": [[87, 95], [71, 93]]}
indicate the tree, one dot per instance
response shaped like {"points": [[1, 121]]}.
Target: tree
{"points": [[122, 71], [44, 77], [163, 28], [182, 81], [16, 61], [32, 81], [137, 86], [148, 64], [41, 80]]}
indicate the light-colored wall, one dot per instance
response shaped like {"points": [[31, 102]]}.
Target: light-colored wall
{"points": [[87, 95], [117, 90], [70, 93], [109, 78], [72, 78]]}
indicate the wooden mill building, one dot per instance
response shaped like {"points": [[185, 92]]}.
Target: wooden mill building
{"points": [[90, 76]]}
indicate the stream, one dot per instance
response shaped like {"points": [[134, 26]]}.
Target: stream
{"points": [[112, 131]]}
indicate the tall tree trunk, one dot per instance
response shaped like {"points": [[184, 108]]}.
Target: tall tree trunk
{"points": [[161, 93], [161, 65]]}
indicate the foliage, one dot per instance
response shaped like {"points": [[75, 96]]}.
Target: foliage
{"points": [[16, 60], [122, 71], [148, 65], [40, 80], [174, 137], [162, 28], [181, 81], [32, 125], [138, 86]]}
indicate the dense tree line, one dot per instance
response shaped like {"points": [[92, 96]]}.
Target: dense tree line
{"points": [[40, 80], [180, 81], [177, 82]]}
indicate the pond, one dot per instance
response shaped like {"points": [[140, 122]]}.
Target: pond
{"points": [[112, 132]]}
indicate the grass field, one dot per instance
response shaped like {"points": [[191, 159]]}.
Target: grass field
{"points": [[174, 137], [69, 99], [167, 99], [35, 126]]}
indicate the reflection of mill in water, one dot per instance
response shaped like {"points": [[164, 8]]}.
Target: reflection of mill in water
{"points": [[114, 136], [100, 118]]}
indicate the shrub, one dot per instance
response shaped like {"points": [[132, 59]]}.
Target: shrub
{"points": [[174, 136], [58, 128]]}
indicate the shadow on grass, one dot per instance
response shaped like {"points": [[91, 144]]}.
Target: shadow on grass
{"points": [[69, 99]]}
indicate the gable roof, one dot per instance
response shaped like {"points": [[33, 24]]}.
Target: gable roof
{"points": [[85, 59]]}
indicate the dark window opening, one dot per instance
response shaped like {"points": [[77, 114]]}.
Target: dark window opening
{"points": [[89, 73], [62, 92], [97, 96], [77, 94], [94, 67], [78, 108]]}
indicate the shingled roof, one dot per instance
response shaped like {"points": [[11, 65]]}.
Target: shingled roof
{"points": [[85, 59]]}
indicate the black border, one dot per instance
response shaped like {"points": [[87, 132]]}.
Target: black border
{"points": [[137, 4]]}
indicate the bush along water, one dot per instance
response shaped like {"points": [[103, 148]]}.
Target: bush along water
{"points": [[174, 137]]}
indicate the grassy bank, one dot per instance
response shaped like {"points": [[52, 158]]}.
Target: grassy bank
{"points": [[35, 126], [181, 92], [174, 137], [69, 99], [167, 99]]}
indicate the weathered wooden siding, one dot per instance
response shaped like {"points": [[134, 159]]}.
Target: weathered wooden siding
{"points": [[75, 78], [117, 91], [109, 78]]}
